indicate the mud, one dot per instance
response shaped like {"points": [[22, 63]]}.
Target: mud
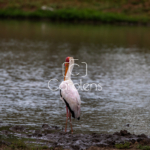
{"points": [[53, 136]]}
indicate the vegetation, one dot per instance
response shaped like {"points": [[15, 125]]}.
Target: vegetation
{"points": [[19, 144], [143, 147], [131, 11], [122, 146], [11, 142]]}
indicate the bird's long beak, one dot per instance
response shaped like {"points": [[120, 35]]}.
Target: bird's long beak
{"points": [[66, 70]]}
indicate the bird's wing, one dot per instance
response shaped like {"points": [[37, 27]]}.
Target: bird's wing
{"points": [[70, 95]]}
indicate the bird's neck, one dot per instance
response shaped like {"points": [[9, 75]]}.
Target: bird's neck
{"points": [[69, 72]]}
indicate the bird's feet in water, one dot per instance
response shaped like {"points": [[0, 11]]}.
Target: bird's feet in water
{"points": [[71, 131]]}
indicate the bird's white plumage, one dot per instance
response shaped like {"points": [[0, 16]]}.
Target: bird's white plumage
{"points": [[71, 95]]}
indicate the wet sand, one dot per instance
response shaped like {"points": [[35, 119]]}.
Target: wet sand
{"points": [[54, 136]]}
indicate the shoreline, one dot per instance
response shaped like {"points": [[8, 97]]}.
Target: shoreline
{"points": [[128, 12], [83, 16], [53, 137]]}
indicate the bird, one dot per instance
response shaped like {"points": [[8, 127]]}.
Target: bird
{"points": [[69, 94]]}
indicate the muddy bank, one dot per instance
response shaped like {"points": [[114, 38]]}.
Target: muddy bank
{"points": [[53, 136]]}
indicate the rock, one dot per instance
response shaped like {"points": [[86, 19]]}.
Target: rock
{"points": [[145, 142], [48, 131], [111, 142], [139, 140], [142, 135], [133, 141], [18, 128], [5, 132], [29, 135], [127, 125], [124, 133], [37, 133], [116, 133], [45, 126], [75, 147], [55, 127], [95, 140], [5, 143]]}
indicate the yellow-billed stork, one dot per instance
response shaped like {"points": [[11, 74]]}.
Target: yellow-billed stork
{"points": [[69, 93]]}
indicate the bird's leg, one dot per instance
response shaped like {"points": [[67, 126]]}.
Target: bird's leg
{"points": [[70, 121], [66, 118]]}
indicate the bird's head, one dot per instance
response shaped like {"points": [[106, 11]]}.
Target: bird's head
{"points": [[67, 61]]}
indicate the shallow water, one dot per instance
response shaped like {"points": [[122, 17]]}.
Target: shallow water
{"points": [[117, 57]]}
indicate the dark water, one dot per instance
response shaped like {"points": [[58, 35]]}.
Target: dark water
{"points": [[117, 57]]}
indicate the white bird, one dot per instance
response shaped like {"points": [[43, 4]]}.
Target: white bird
{"points": [[69, 93]]}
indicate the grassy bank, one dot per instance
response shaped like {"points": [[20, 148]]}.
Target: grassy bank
{"points": [[128, 11], [73, 15]]}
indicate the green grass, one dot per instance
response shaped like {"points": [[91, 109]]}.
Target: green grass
{"points": [[5, 128], [143, 147], [109, 11], [18, 144], [123, 146], [73, 15], [21, 143]]}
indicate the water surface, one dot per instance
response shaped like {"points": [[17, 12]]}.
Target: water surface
{"points": [[118, 58]]}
